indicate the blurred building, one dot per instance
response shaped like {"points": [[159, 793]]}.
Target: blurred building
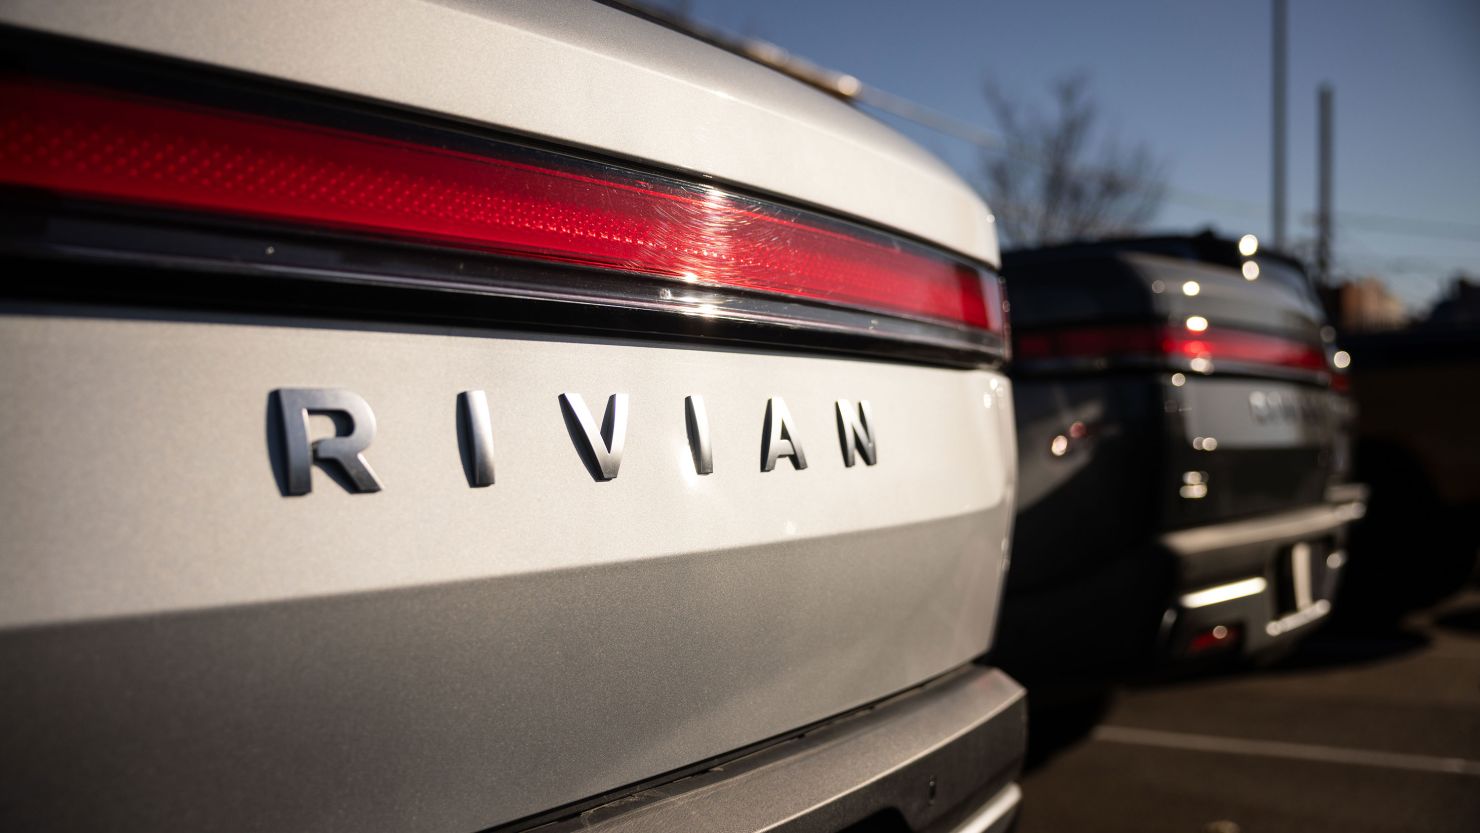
{"points": [[1366, 305]]}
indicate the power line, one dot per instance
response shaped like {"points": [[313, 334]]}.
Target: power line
{"points": [[830, 81], [1413, 226], [1404, 266], [1214, 202], [928, 117], [1424, 256], [850, 88]]}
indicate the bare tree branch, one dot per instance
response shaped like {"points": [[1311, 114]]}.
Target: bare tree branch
{"points": [[1057, 179]]}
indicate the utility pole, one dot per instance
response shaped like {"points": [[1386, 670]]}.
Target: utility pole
{"points": [[1324, 195], [1277, 198]]}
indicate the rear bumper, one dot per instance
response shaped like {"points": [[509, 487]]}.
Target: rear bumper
{"points": [[435, 656], [941, 758], [1257, 584]]}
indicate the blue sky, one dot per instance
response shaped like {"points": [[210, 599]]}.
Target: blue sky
{"points": [[1191, 77]]}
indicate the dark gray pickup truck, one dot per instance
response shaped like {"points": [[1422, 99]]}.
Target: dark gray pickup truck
{"points": [[1184, 456]]}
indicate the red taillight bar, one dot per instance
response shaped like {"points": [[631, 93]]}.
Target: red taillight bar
{"points": [[1159, 341], [1087, 342], [89, 143], [1245, 348]]}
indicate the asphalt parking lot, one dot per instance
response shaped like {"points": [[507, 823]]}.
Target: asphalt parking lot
{"points": [[1373, 732]]}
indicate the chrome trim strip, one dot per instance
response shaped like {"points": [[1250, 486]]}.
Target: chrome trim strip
{"points": [[1300, 523], [1300, 556], [1299, 618], [998, 810]]}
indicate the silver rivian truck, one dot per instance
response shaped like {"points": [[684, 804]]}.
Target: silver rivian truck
{"points": [[451, 416]]}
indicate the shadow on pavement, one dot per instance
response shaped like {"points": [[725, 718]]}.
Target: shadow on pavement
{"points": [[1060, 718], [1465, 618], [1333, 648]]}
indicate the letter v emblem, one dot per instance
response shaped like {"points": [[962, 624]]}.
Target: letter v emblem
{"points": [[600, 448]]}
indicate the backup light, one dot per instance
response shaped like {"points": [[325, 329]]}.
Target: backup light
{"points": [[1224, 593]]}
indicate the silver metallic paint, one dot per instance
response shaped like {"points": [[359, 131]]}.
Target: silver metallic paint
{"points": [[393, 712], [447, 657], [192, 441], [437, 657]]}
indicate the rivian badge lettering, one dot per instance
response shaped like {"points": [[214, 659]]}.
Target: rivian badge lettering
{"points": [[478, 428], [601, 450], [599, 446], [697, 421], [855, 431], [777, 437], [295, 405]]}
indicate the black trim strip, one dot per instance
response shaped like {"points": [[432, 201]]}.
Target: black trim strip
{"points": [[934, 756]]}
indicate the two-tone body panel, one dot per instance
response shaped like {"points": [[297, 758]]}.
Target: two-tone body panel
{"points": [[436, 652], [370, 505]]}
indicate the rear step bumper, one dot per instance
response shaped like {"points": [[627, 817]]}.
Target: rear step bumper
{"points": [[939, 758], [1257, 584]]}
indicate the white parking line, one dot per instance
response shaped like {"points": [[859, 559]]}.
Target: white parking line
{"points": [[1295, 751]]}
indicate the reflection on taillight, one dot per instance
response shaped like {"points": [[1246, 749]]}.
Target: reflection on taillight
{"points": [[1203, 346], [509, 201], [1087, 342]]}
